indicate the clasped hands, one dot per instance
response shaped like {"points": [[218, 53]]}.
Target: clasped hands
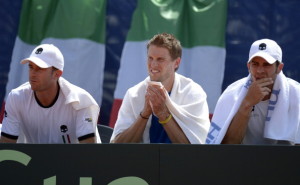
{"points": [[155, 101]]}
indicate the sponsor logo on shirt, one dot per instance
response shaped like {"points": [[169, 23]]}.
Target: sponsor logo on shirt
{"points": [[88, 119], [65, 137]]}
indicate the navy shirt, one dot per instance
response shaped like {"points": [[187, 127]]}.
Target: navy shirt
{"points": [[157, 132]]}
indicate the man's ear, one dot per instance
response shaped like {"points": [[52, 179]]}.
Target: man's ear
{"points": [[248, 66], [280, 67], [58, 73], [177, 62]]}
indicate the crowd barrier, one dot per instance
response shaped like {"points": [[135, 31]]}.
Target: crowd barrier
{"points": [[148, 164]]}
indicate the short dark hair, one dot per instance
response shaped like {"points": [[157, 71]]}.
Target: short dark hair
{"points": [[167, 41], [54, 68]]}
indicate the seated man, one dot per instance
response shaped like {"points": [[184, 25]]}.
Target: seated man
{"points": [[49, 109], [166, 107], [262, 108]]}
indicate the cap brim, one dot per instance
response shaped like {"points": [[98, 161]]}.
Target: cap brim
{"points": [[37, 61], [263, 55]]}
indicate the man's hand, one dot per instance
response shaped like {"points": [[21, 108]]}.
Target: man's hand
{"points": [[157, 99], [147, 111], [258, 90]]}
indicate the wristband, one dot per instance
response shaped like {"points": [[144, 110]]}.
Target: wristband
{"points": [[166, 120], [143, 116]]}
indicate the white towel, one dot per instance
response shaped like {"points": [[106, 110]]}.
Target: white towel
{"points": [[80, 99], [189, 123], [283, 117], [187, 104]]}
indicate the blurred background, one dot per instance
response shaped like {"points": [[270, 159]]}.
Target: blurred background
{"points": [[244, 21]]}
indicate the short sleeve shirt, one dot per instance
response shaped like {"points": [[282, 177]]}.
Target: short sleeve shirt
{"points": [[28, 121], [256, 126]]}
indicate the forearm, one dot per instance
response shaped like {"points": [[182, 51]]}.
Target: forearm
{"points": [[134, 133], [175, 133], [4, 139], [88, 140], [238, 126]]}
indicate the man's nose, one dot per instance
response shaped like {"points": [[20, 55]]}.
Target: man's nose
{"points": [[260, 69], [154, 63]]}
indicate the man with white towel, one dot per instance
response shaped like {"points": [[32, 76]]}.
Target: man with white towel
{"points": [[166, 107], [48, 108], [261, 109]]}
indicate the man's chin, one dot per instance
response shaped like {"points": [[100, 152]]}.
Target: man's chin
{"points": [[152, 78], [33, 87]]}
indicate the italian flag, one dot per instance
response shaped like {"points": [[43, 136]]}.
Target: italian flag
{"points": [[77, 28], [199, 25]]}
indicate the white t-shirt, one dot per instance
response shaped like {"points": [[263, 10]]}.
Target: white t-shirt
{"points": [[256, 126], [28, 121]]}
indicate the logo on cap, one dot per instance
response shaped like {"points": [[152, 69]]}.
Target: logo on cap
{"points": [[39, 51], [262, 46]]}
